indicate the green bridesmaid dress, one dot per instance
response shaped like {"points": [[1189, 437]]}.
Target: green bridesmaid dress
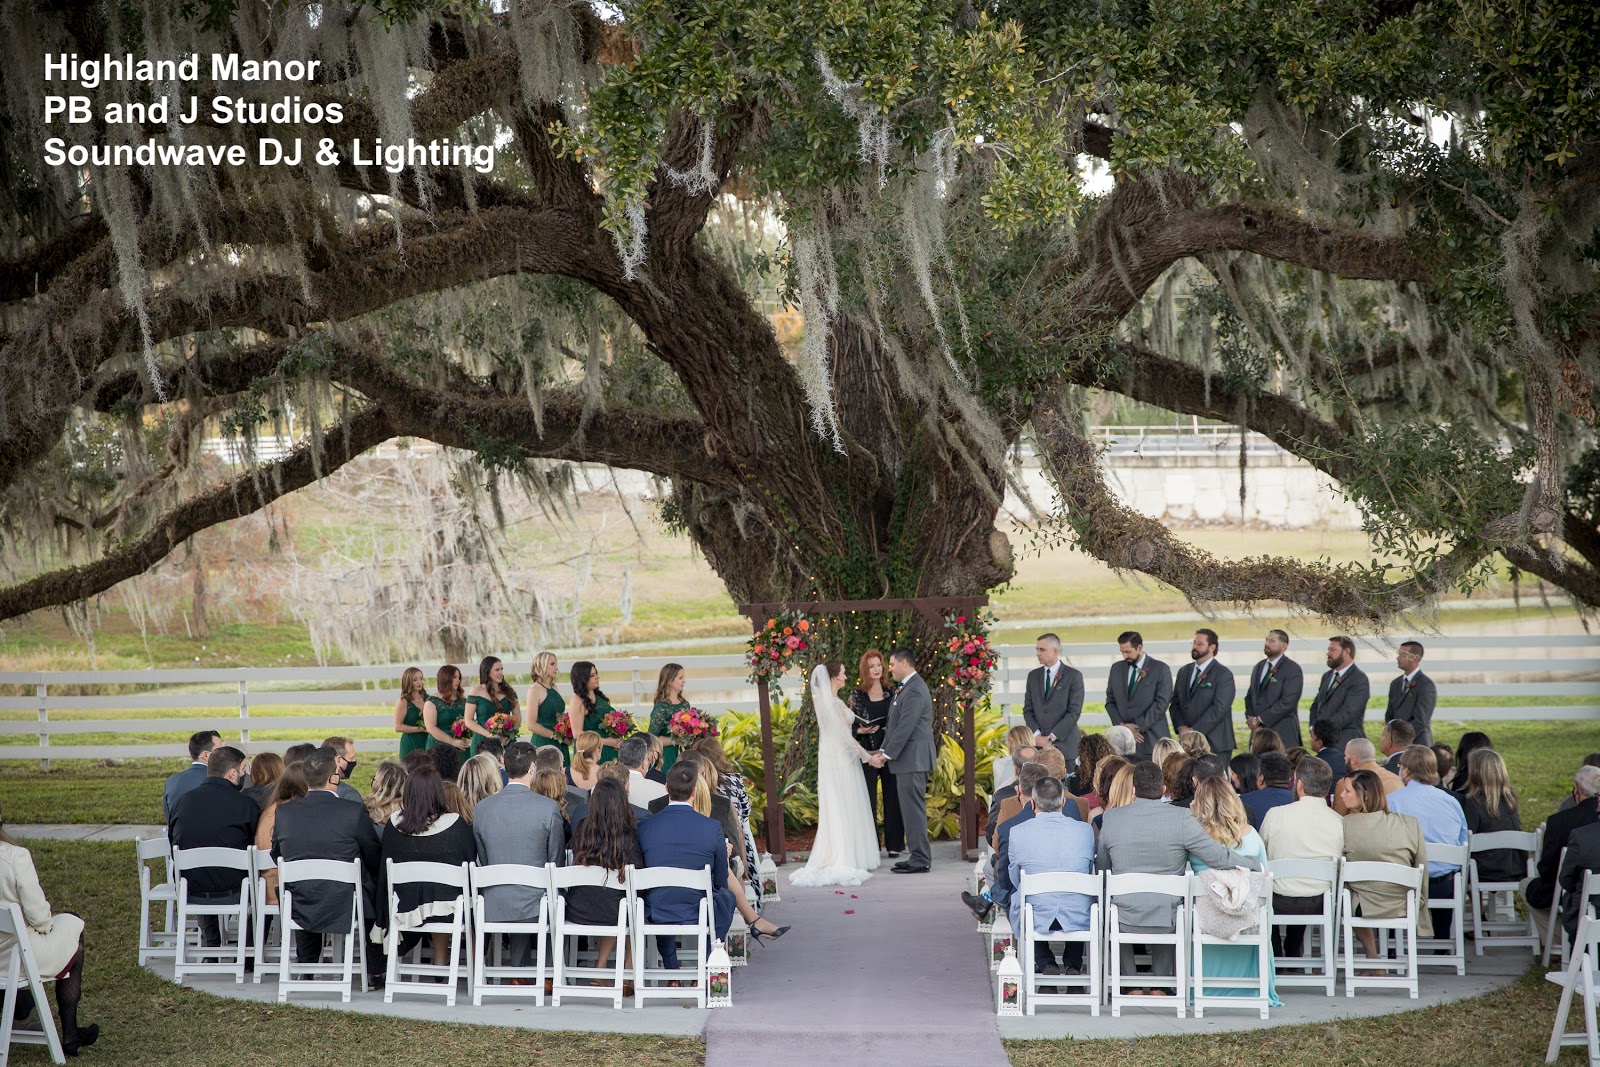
{"points": [[660, 719], [410, 743], [484, 709], [445, 716], [591, 721], [550, 711]]}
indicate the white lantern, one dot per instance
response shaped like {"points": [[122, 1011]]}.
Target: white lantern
{"points": [[738, 942], [1008, 984], [769, 878], [719, 978], [1000, 939]]}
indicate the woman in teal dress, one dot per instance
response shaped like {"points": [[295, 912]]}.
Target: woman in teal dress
{"points": [[589, 707], [490, 697], [1218, 810], [444, 708], [408, 712], [548, 706], [668, 702]]}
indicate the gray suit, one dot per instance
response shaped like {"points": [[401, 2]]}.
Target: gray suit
{"points": [[1146, 708], [1205, 705], [1149, 837], [1344, 706], [1274, 698], [1414, 707], [517, 825], [908, 742], [1056, 713]]}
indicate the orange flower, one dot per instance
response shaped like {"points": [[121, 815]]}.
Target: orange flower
{"points": [[760, 649], [788, 631], [771, 623], [805, 626]]}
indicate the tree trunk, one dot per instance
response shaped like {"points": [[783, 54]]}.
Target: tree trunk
{"points": [[197, 589]]}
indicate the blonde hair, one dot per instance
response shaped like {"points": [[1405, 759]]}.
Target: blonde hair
{"points": [[1121, 791], [1195, 744], [1164, 748], [1219, 811], [583, 761], [552, 784], [479, 777], [701, 800], [411, 677], [1488, 783], [541, 667], [1018, 737], [388, 783]]}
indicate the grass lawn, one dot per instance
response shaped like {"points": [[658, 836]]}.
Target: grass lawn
{"points": [[148, 1021]]}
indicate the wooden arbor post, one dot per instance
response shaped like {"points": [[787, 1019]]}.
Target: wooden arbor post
{"points": [[931, 608]]}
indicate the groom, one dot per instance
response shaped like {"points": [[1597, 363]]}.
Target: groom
{"points": [[908, 743]]}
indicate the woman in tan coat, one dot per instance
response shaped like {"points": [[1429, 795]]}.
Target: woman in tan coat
{"points": [[1374, 834]]}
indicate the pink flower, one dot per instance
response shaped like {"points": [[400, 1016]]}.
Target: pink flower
{"points": [[961, 618], [968, 648], [792, 642], [849, 911]]}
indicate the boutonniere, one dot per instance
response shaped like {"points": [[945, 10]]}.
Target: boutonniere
{"points": [[1410, 684], [1140, 676], [1336, 680], [1272, 675]]}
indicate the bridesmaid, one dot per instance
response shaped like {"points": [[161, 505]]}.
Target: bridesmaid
{"points": [[668, 702], [589, 706], [547, 704], [490, 697], [409, 710], [444, 708]]}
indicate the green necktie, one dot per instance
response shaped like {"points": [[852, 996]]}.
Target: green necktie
{"points": [[1133, 677], [1266, 673], [1047, 673], [1194, 677]]}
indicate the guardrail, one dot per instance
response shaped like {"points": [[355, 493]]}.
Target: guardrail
{"points": [[239, 701]]}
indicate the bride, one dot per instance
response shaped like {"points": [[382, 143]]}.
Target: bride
{"points": [[846, 848]]}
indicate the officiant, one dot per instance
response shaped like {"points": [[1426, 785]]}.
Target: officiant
{"points": [[870, 703]]}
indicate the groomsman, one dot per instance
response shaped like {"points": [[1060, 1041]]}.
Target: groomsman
{"points": [[1412, 695], [1138, 693], [1341, 699], [1202, 696], [1053, 699], [1272, 699]]}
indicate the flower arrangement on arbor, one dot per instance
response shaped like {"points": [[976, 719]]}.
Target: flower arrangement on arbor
{"points": [[970, 659], [778, 645], [691, 723], [503, 726], [616, 723]]}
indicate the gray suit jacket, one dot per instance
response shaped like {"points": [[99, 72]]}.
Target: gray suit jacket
{"points": [[517, 825], [908, 740], [1277, 702], [1415, 707], [1207, 705], [1057, 713], [1149, 837], [1146, 709], [1345, 708]]}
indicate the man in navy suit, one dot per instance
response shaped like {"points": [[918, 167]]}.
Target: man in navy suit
{"points": [[679, 836], [201, 745]]}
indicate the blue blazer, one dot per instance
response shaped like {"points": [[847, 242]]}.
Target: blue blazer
{"points": [[678, 836], [1051, 844], [1003, 887], [177, 785]]}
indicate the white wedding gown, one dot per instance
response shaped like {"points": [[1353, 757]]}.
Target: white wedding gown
{"points": [[846, 849]]}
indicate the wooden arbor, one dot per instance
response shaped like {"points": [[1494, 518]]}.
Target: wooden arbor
{"points": [[931, 608]]}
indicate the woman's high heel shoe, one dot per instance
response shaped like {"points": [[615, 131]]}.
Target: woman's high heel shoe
{"points": [[757, 936]]}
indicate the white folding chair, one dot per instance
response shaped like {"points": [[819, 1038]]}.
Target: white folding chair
{"points": [[1580, 976], [1168, 885], [261, 908], [1259, 996], [22, 972], [448, 917], [495, 980], [1321, 969], [185, 860], [1555, 935], [1449, 951], [1092, 980], [292, 873], [1495, 923], [1404, 927], [564, 981], [650, 982], [152, 893]]}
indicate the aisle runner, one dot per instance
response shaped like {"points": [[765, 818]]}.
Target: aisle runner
{"points": [[901, 980]]}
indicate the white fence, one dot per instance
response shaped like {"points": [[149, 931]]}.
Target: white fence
{"points": [[1562, 670]]}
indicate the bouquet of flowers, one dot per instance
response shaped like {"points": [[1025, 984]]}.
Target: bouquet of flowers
{"points": [[458, 728], [502, 726], [563, 727], [970, 659], [691, 723], [616, 724], [776, 646]]}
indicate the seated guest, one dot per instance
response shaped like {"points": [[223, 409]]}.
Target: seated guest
{"points": [[617, 770], [721, 808], [1361, 755], [388, 786], [1149, 837], [1591, 760], [1447, 769], [321, 826], [1109, 771], [725, 780], [1164, 748], [1054, 765], [424, 830], [1322, 733], [1195, 744], [57, 941], [1002, 793], [1441, 818], [1306, 830], [634, 753], [1263, 740], [297, 753], [493, 746], [585, 768], [1049, 843], [479, 778], [1583, 855], [446, 760], [1017, 739], [1470, 742], [553, 786], [607, 838], [1183, 786], [1092, 748], [1296, 754], [216, 814], [1396, 737], [1121, 740], [200, 748], [1274, 789], [1490, 805], [1539, 892], [345, 749], [678, 836], [265, 770], [549, 758], [1244, 771], [999, 891], [657, 751], [1373, 833], [291, 787], [1217, 809], [517, 825], [1174, 782]]}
